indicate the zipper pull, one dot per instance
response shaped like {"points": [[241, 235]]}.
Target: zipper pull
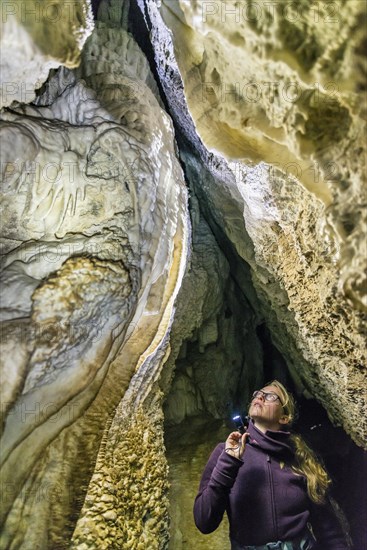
{"points": [[268, 458]]}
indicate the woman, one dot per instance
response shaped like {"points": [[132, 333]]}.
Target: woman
{"points": [[270, 484]]}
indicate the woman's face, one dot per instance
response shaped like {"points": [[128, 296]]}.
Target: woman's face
{"points": [[269, 414]]}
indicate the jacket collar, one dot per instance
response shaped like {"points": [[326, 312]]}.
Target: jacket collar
{"points": [[272, 442]]}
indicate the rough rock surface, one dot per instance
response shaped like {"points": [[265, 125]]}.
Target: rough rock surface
{"points": [[36, 36], [284, 175], [94, 242], [212, 370], [127, 501]]}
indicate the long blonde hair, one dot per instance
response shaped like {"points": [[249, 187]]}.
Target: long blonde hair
{"points": [[305, 461]]}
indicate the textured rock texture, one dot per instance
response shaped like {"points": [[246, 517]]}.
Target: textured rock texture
{"points": [[213, 371], [94, 242], [36, 36], [127, 500], [289, 191]]}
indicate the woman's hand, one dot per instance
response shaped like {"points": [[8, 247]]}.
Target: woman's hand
{"points": [[236, 444]]}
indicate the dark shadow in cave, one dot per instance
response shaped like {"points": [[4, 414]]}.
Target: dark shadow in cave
{"points": [[345, 462], [274, 365]]}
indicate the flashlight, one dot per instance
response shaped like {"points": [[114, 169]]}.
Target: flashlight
{"points": [[240, 423]]}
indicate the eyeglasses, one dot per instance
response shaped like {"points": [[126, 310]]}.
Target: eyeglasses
{"points": [[268, 396]]}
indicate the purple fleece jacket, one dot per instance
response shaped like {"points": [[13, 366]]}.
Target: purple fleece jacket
{"points": [[263, 501]]}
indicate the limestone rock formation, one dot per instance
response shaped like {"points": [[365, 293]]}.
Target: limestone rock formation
{"points": [[36, 36], [95, 243], [291, 135]]}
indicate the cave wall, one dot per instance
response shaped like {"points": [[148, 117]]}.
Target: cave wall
{"points": [[158, 207], [212, 371], [95, 233], [306, 268], [36, 37]]}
